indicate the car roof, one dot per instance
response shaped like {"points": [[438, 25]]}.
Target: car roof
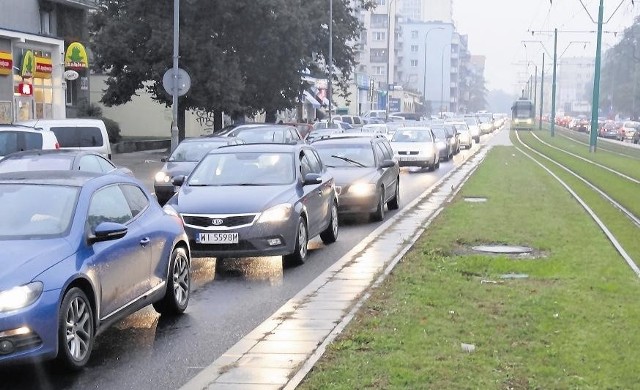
{"points": [[19, 127], [259, 147], [345, 138], [75, 121], [209, 138], [58, 152], [62, 177]]}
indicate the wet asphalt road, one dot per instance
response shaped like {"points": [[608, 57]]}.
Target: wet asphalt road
{"points": [[145, 351]]}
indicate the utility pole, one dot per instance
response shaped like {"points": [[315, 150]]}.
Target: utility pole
{"points": [[593, 139], [553, 82], [541, 95], [535, 89], [329, 89]]}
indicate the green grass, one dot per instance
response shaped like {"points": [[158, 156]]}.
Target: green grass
{"points": [[570, 325]]}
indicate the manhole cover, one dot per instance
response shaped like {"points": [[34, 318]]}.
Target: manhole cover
{"points": [[506, 249], [475, 199]]}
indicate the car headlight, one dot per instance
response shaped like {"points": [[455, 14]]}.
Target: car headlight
{"points": [[19, 297], [441, 145], [278, 213], [162, 177], [362, 189]]}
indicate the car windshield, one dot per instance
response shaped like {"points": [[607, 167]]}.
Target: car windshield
{"points": [[346, 155], [403, 135], [260, 135], [244, 168], [193, 151], [36, 163], [25, 214], [439, 132], [471, 121]]}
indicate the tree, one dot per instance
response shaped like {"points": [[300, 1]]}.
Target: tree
{"points": [[243, 56]]}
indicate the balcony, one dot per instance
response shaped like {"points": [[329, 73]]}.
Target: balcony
{"points": [[86, 4]]}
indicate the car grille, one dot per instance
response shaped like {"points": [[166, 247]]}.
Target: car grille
{"points": [[411, 152], [219, 221]]}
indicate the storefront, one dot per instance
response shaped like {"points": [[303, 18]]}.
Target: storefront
{"points": [[31, 77]]}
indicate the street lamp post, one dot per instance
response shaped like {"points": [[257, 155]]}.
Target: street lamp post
{"points": [[442, 81], [424, 79], [174, 94], [388, 58]]}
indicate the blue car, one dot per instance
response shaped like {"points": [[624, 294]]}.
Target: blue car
{"points": [[81, 251], [257, 200]]}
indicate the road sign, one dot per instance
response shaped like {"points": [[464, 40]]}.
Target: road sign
{"points": [[182, 82]]}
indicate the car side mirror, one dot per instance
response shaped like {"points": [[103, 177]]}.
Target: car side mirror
{"points": [[179, 180], [387, 164], [107, 231], [312, 178]]}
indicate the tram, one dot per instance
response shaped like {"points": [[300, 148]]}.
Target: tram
{"points": [[522, 115]]}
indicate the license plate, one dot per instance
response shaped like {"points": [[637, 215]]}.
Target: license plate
{"points": [[217, 238], [408, 158]]}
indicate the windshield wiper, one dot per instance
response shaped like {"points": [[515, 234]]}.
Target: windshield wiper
{"points": [[349, 160]]}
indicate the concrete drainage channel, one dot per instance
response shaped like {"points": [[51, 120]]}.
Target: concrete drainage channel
{"points": [[284, 348]]}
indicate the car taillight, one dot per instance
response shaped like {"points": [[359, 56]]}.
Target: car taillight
{"points": [[57, 145]]}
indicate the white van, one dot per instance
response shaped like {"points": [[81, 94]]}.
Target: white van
{"points": [[19, 138], [77, 133]]}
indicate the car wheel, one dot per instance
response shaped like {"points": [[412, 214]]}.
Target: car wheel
{"points": [[394, 203], [75, 330], [176, 297], [330, 234], [437, 165], [378, 215], [299, 254]]}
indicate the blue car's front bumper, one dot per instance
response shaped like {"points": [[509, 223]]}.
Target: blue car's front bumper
{"points": [[31, 333]]}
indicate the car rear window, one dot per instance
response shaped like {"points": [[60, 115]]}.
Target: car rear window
{"points": [[15, 141], [78, 137]]}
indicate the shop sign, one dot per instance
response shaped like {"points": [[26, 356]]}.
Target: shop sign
{"points": [[44, 68], [76, 57], [6, 63], [28, 67], [25, 89]]}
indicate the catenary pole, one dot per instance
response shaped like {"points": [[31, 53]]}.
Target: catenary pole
{"points": [[553, 82], [541, 95], [174, 92], [593, 139]]}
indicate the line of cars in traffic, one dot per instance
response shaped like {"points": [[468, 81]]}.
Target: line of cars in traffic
{"points": [[625, 130], [89, 245]]}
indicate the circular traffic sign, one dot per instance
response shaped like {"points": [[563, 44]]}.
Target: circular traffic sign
{"points": [[180, 80]]}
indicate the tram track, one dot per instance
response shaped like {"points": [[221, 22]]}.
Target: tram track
{"points": [[568, 135], [599, 221]]}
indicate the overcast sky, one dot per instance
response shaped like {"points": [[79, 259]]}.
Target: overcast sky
{"points": [[496, 29]]}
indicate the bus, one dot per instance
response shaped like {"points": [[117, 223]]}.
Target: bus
{"points": [[522, 114]]}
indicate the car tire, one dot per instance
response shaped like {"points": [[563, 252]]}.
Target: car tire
{"points": [[330, 234], [76, 331], [299, 254], [394, 203], [176, 296], [437, 165], [378, 215]]}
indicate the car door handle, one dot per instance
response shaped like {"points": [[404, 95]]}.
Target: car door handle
{"points": [[145, 241]]}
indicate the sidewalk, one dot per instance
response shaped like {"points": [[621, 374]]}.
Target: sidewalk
{"points": [[283, 349]]}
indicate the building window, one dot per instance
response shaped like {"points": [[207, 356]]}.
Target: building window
{"points": [[414, 48], [378, 55], [414, 63], [414, 34], [380, 2], [379, 36], [45, 22], [378, 70], [379, 21]]}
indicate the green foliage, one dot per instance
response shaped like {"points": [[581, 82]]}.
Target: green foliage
{"points": [[243, 56], [113, 129]]}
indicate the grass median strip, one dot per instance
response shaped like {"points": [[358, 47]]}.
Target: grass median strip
{"points": [[570, 324]]}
